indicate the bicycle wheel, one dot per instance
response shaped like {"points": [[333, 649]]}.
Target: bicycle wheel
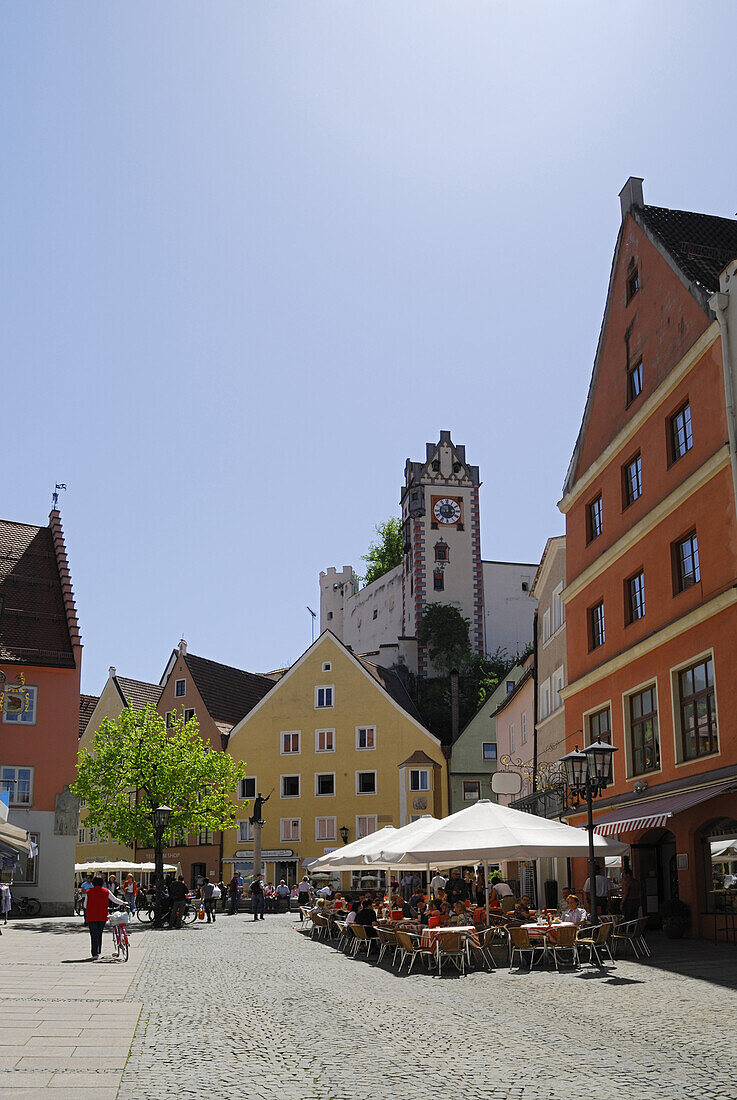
{"points": [[123, 942], [32, 907], [190, 915]]}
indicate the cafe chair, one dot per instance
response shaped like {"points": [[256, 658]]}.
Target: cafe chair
{"points": [[361, 939], [453, 948], [344, 934], [562, 941], [632, 933], [486, 942], [410, 947], [596, 940], [519, 942], [387, 942]]}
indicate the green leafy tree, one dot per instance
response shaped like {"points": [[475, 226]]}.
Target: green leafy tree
{"points": [[387, 552], [444, 633], [137, 764]]}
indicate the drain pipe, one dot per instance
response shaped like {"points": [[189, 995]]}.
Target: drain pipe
{"points": [[723, 305]]}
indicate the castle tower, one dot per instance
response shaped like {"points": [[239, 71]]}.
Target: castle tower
{"points": [[442, 541]]}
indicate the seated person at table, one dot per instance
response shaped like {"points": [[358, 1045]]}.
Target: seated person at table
{"points": [[421, 912], [445, 915], [573, 914], [522, 908], [440, 896], [459, 915], [367, 917], [456, 888], [352, 912], [416, 898]]}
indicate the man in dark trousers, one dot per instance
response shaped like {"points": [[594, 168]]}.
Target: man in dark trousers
{"points": [[178, 898], [257, 898]]}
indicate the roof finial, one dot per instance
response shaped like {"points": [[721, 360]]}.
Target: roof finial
{"points": [[55, 495]]}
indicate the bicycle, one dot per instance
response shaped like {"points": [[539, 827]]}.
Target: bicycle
{"points": [[24, 907], [118, 923]]}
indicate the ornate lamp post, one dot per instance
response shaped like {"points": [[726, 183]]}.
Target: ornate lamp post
{"points": [[160, 820], [587, 774], [343, 830]]}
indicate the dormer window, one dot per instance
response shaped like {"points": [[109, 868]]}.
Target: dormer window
{"points": [[436, 466]]}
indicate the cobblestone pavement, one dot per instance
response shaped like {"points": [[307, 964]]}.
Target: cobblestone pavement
{"points": [[265, 1012]]}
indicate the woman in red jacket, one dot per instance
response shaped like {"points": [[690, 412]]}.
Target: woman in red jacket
{"points": [[98, 907]]}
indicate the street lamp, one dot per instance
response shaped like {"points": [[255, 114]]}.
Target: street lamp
{"points": [[160, 820], [343, 830], [587, 774]]}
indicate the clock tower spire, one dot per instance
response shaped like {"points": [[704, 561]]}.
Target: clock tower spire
{"points": [[442, 541]]}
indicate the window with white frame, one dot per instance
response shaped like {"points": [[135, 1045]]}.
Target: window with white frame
{"points": [[365, 782], [291, 828], [169, 719], [245, 832], [558, 683], [546, 625], [289, 786], [206, 836], [324, 783], [523, 729], [92, 835], [544, 699], [558, 608], [365, 825], [325, 828], [365, 737], [324, 740], [471, 790], [180, 688], [327, 666], [419, 779], [19, 705], [247, 787], [324, 696], [289, 742], [18, 782], [512, 745], [188, 715], [80, 836]]}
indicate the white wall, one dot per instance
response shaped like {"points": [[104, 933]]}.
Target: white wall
{"points": [[508, 607], [56, 854]]}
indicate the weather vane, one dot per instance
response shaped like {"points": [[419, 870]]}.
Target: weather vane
{"points": [[55, 494]]}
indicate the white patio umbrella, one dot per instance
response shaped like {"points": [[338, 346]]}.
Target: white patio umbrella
{"points": [[487, 833], [350, 858]]}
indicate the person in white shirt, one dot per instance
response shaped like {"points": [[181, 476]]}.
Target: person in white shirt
{"points": [[603, 890], [352, 913], [437, 882], [573, 914], [326, 892], [501, 890]]}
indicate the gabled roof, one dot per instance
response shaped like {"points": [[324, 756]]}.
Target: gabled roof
{"points": [[556, 542], [700, 244], [87, 704], [515, 690], [38, 622], [228, 693], [392, 685], [137, 692]]}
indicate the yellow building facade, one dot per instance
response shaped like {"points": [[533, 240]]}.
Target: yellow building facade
{"points": [[339, 749]]}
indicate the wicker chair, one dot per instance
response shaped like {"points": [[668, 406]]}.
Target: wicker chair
{"points": [[519, 941], [596, 940], [453, 948], [387, 941], [632, 933], [344, 934], [410, 946], [564, 941], [361, 939], [486, 942]]}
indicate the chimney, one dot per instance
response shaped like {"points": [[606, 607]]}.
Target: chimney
{"points": [[182, 647], [631, 195], [111, 671]]}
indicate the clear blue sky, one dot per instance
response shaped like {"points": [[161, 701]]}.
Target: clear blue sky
{"points": [[255, 255]]}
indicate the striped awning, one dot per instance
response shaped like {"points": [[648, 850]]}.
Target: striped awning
{"points": [[654, 813]]}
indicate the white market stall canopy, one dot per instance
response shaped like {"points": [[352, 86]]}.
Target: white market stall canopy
{"points": [[487, 832], [15, 838], [121, 865], [724, 848], [359, 854]]}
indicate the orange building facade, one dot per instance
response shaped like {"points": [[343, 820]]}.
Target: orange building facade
{"points": [[651, 582]]}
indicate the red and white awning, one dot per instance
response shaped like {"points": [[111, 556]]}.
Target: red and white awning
{"points": [[654, 813]]}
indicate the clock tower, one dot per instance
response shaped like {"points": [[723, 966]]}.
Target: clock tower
{"points": [[442, 541]]}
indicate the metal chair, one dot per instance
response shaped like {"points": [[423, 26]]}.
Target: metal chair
{"points": [[408, 948], [344, 934], [596, 940], [319, 925], [387, 942], [632, 933], [361, 939], [565, 940], [519, 941], [486, 942]]}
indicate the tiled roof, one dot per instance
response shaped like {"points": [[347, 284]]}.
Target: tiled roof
{"points": [[419, 757], [34, 624], [138, 692], [701, 244], [515, 691], [87, 704], [393, 686], [228, 693]]}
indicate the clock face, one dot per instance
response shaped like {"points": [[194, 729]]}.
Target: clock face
{"points": [[446, 510]]}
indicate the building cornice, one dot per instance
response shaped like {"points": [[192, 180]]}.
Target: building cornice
{"points": [[633, 653], [624, 437], [709, 469]]}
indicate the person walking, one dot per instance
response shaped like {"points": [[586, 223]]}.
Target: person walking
{"points": [[99, 900], [257, 898], [130, 893], [208, 896], [178, 898], [631, 895], [233, 893], [304, 890]]}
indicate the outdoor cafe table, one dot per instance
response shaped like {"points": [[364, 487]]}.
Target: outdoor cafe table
{"points": [[433, 937]]}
